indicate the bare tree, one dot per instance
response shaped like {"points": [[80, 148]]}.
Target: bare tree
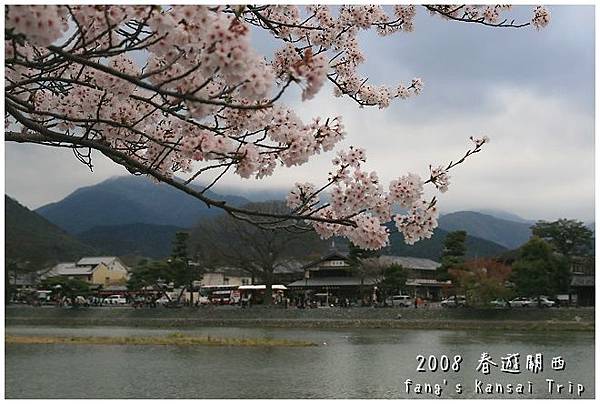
{"points": [[259, 251]]}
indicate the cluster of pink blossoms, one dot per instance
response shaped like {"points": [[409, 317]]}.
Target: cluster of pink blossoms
{"points": [[419, 223], [406, 190], [302, 194], [541, 17], [490, 14], [201, 51], [307, 68], [175, 88], [354, 190], [440, 178], [43, 24], [337, 37]]}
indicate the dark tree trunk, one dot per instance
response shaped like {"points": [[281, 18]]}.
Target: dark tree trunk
{"points": [[268, 293], [180, 294], [268, 280]]}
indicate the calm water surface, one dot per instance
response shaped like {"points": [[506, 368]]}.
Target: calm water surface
{"points": [[346, 364]]}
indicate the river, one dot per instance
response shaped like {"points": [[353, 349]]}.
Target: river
{"points": [[353, 363]]}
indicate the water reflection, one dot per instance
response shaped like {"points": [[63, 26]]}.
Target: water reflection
{"points": [[370, 363]]}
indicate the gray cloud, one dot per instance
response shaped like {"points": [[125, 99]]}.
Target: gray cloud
{"points": [[531, 91]]}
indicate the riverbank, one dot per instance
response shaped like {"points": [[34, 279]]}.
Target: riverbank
{"points": [[533, 319]]}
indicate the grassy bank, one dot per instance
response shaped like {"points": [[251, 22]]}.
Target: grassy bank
{"points": [[173, 339], [564, 319]]}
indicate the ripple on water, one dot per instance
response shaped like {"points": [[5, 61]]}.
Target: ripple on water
{"points": [[367, 363]]}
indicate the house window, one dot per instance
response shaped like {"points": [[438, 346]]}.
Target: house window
{"points": [[245, 281], [226, 281]]}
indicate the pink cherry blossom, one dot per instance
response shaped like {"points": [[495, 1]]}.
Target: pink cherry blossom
{"points": [[167, 89]]}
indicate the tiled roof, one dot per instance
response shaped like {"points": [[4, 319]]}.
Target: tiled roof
{"points": [[410, 262], [583, 280], [96, 260], [289, 267], [70, 269]]}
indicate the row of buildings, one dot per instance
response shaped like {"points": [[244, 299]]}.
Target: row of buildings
{"points": [[331, 275]]}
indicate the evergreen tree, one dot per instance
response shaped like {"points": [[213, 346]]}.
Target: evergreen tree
{"points": [[539, 271], [568, 237], [363, 266], [176, 270], [184, 273], [180, 245], [394, 280], [453, 255]]}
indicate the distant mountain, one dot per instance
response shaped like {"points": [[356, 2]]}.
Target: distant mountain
{"points": [[502, 214], [432, 248], [138, 239], [30, 237], [504, 232], [112, 215], [128, 200], [254, 194]]}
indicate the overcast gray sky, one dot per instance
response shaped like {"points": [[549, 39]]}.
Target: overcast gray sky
{"points": [[531, 92]]}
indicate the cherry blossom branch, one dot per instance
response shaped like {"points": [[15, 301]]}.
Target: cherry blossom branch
{"points": [[44, 134], [204, 96]]}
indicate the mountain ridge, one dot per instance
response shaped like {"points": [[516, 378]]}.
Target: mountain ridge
{"points": [[123, 202], [129, 200], [30, 237], [138, 239], [433, 247], [155, 241], [504, 232]]}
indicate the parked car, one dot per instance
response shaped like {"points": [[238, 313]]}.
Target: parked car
{"points": [[115, 299], [454, 301], [202, 300], [399, 300], [163, 301], [499, 303], [44, 297], [544, 301], [522, 302], [565, 300]]}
